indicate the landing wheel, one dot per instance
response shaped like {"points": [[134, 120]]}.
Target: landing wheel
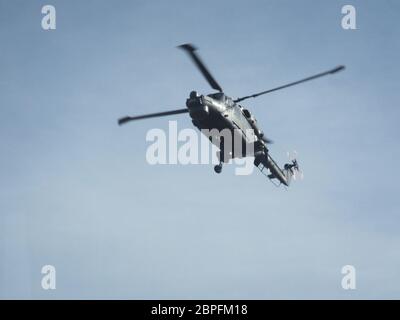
{"points": [[218, 168]]}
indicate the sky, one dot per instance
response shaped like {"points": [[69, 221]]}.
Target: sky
{"points": [[77, 193]]}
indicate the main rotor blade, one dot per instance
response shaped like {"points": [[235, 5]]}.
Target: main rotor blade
{"points": [[337, 69], [190, 49], [151, 115]]}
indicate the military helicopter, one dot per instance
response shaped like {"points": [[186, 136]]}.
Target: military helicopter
{"points": [[219, 111]]}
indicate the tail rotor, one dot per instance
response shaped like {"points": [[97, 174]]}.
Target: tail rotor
{"points": [[293, 166]]}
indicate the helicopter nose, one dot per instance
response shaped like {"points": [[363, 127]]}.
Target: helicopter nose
{"points": [[197, 109], [194, 100]]}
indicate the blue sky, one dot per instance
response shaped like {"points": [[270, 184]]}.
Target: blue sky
{"points": [[77, 192]]}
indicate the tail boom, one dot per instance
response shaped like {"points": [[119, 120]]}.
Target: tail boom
{"points": [[283, 175]]}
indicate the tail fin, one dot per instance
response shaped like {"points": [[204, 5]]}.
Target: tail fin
{"points": [[292, 171]]}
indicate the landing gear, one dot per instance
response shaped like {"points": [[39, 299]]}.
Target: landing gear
{"points": [[218, 168], [220, 157]]}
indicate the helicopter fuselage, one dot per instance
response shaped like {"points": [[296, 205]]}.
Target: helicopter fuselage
{"points": [[220, 112]]}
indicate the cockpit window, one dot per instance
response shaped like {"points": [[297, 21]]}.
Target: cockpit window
{"points": [[246, 113]]}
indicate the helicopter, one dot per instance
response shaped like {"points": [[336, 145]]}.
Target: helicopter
{"points": [[219, 111]]}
